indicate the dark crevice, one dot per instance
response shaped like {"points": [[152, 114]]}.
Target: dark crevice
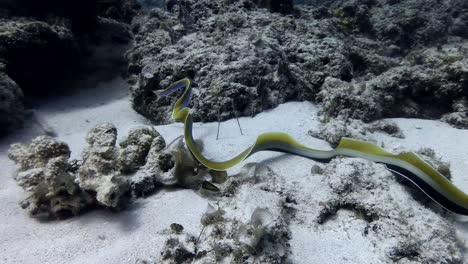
{"points": [[331, 208]]}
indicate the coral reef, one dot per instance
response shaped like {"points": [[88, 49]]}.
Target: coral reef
{"points": [[287, 65], [363, 60], [231, 241], [398, 22], [281, 6], [46, 43], [11, 103], [35, 52], [146, 180], [459, 118], [405, 91], [136, 147], [175, 166], [368, 191]]}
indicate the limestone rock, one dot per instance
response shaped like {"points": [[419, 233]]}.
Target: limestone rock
{"points": [[11, 103], [100, 171], [44, 172]]}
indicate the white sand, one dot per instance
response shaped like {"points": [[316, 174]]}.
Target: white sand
{"points": [[105, 237]]}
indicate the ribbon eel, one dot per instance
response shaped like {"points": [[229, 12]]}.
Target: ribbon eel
{"points": [[406, 164]]}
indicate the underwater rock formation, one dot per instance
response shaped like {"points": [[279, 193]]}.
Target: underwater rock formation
{"points": [[401, 23], [405, 24], [239, 229], [243, 60], [231, 241], [405, 91], [35, 52], [44, 172], [362, 59], [11, 103], [174, 166], [459, 118], [46, 43], [137, 167], [281, 6], [136, 147], [40, 50], [99, 171], [156, 163], [119, 10]]}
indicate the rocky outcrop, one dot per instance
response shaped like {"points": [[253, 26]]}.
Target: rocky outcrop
{"points": [[44, 44], [333, 130], [242, 59], [431, 83], [11, 103], [266, 217], [361, 59], [36, 52], [403, 24], [59, 187], [406, 24]]}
